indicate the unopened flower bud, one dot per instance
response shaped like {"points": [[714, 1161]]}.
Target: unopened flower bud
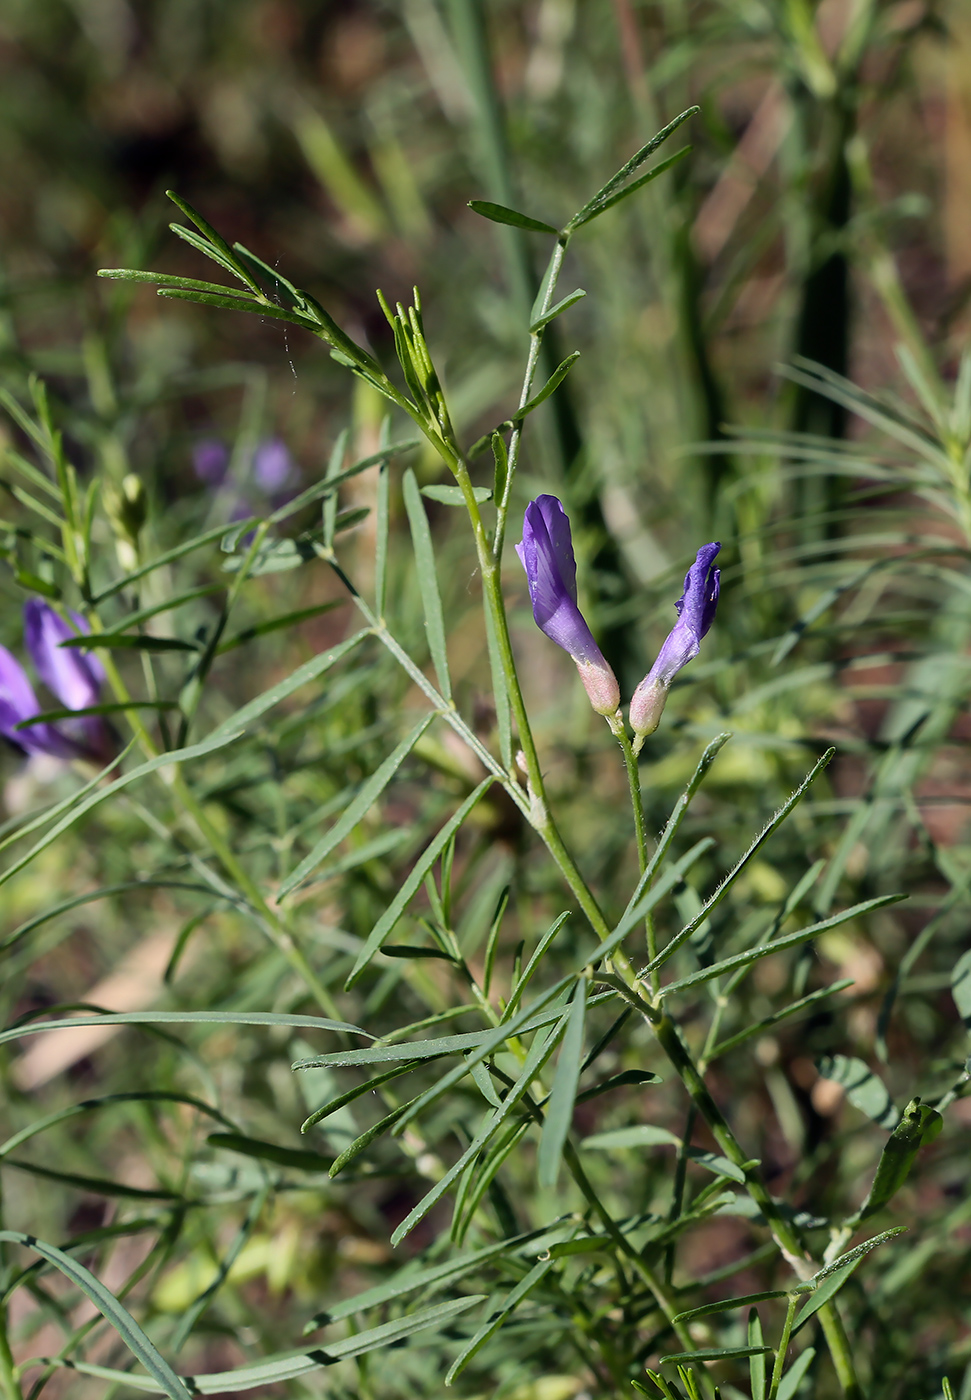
{"points": [[546, 552], [696, 612]]}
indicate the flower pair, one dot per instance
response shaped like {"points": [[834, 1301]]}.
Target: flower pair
{"points": [[74, 676], [546, 553]]}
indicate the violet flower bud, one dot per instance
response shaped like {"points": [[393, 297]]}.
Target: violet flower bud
{"points": [[696, 608], [546, 553], [18, 702]]}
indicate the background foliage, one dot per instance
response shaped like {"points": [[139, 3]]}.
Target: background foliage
{"points": [[773, 353]]}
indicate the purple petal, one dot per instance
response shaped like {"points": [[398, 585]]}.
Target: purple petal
{"points": [[18, 702], [546, 553], [210, 458], [696, 609], [697, 603], [73, 676]]}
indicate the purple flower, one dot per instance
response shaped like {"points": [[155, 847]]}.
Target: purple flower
{"points": [[18, 702], [73, 676], [210, 458], [696, 609], [546, 553], [273, 468]]}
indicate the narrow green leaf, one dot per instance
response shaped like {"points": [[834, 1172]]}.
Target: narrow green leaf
{"points": [[539, 1052], [554, 382], [112, 708], [428, 582], [49, 1120], [757, 1359], [711, 752], [637, 1135], [483, 1042], [715, 1354], [499, 214], [617, 1081], [356, 810], [557, 310], [729, 1305], [791, 1010], [722, 890], [560, 1105], [480, 1177], [215, 741], [50, 814], [624, 173], [488, 1329], [368, 1087], [780, 944], [918, 1126], [335, 480], [169, 557], [632, 187], [175, 1018], [361, 1143], [858, 1252], [414, 881], [133, 641], [539, 952], [231, 302], [671, 877], [827, 1290], [454, 496], [274, 624], [410, 1279], [94, 1185], [275, 1369], [792, 1379], [271, 1152], [310, 671], [217, 241], [164, 279], [162, 1378]]}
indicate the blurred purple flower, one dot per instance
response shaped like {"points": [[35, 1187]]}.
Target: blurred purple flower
{"points": [[210, 458], [18, 702], [696, 609], [546, 553], [72, 675], [273, 467]]}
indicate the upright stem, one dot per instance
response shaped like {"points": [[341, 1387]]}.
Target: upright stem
{"points": [[9, 1384], [780, 1356]]}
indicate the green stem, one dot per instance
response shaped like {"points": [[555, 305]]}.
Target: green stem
{"points": [[8, 1372], [780, 1355], [783, 1232], [640, 830]]}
